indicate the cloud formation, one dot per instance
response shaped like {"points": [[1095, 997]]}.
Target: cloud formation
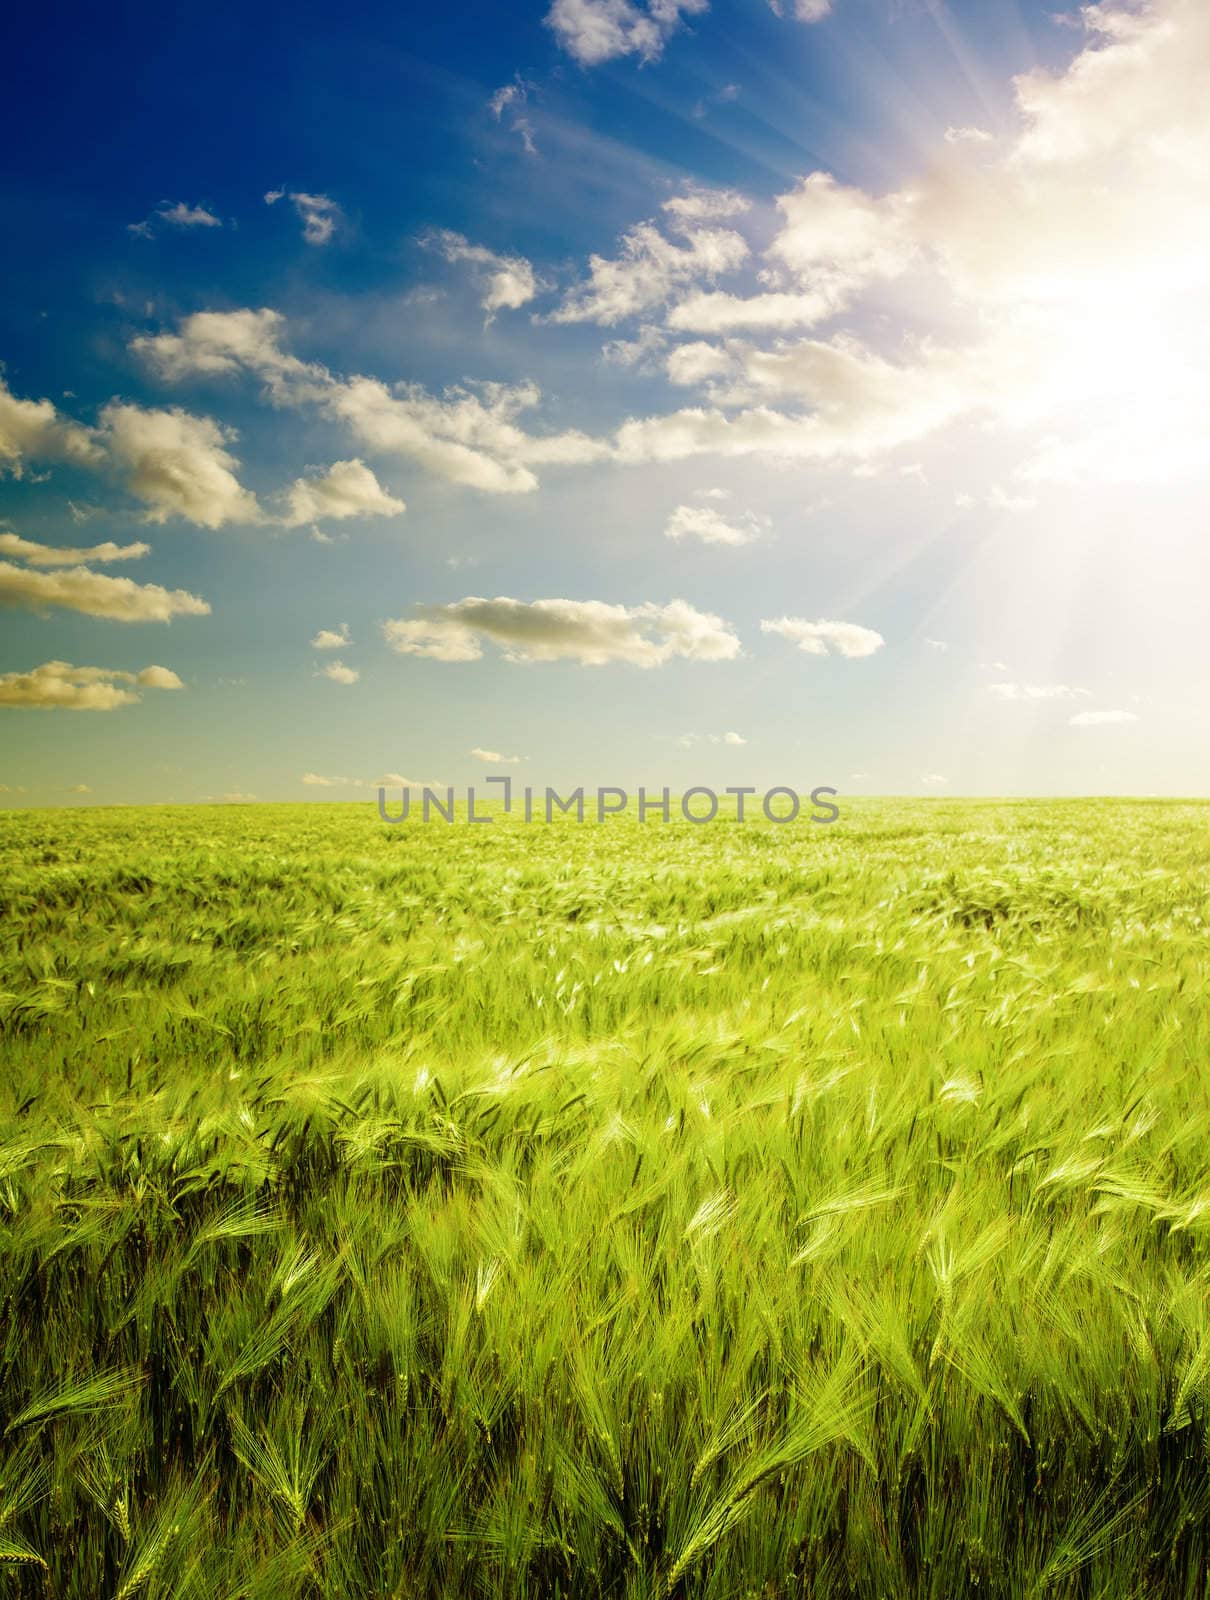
{"points": [[467, 436], [711, 527], [505, 282], [594, 31], [332, 638], [175, 215], [45, 555], [57, 685], [848, 639], [96, 595], [339, 673], [320, 215], [591, 632], [347, 489], [650, 268], [1048, 283], [177, 464]]}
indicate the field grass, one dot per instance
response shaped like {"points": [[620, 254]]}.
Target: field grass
{"points": [[722, 1211]]}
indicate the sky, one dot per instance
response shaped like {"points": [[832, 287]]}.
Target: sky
{"points": [[607, 391]]}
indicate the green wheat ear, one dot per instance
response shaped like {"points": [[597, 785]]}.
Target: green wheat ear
{"points": [[78, 1399], [15, 1552]]}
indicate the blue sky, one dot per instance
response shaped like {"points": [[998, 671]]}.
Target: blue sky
{"points": [[644, 393]]}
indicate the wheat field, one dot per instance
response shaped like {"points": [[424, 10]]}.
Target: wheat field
{"points": [[611, 1210]]}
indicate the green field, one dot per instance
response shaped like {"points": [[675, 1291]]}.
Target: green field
{"points": [[720, 1211]]}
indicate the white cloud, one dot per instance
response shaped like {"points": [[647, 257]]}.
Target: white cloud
{"points": [[833, 242], [711, 527], [824, 638], [1101, 719], [505, 282], [648, 269], [34, 429], [699, 204], [689, 365], [1037, 691], [716, 311], [1050, 284], [177, 465], [639, 352], [159, 678], [347, 489], [513, 98], [339, 673], [95, 595], [936, 644], [591, 632], [934, 780], [56, 685], [804, 10], [593, 31], [45, 555], [176, 215], [320, 215], [467, 437], [494, 758], [332, 638], [688, 740]]}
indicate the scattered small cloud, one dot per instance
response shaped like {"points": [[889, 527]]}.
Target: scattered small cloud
{"points": [[319, 213], [848, 639], [174, 215], [688, 740], [934, 780], [347, 489], [332, 638], [595, 31], [95, 595], [505, 282], [803, 10], [45, 555], [80, 788], [724, 96], [57, 685], [591, 632], [495, 758], [339, 673], [936, 644], [711, 527], [511, 100]]}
